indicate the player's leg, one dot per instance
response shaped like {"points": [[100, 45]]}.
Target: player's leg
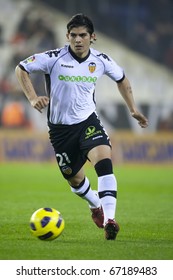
{"points": [[100, 157], [80, 185], [96, 145], [70, 161]]}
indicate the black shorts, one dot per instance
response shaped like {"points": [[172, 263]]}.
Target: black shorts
{"points": [[72, 143]]}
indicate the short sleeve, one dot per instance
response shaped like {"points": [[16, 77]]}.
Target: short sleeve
{"points": [[40, 63]]}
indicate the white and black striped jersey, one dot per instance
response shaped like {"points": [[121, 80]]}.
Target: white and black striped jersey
{"points": [[71, 81]]}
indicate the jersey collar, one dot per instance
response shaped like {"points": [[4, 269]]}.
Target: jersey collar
{"points": [[80, 60]]}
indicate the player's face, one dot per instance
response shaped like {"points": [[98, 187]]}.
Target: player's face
{"points": [[80, 40]]}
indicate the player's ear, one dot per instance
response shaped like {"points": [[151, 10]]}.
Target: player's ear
{"points": [[93, 38], [67, 36]]}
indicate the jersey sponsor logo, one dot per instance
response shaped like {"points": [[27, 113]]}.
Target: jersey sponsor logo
{"points": [[77, 79], [29, 59], [92, 67], [91, 131], [104, 56]]}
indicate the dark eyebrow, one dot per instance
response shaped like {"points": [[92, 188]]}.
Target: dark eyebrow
{"points": [[80, 34]]}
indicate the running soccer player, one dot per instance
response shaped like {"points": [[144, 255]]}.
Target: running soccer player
{"points": [[75, 131]]}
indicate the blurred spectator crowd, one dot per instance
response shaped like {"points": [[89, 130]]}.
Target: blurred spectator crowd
{"points": [[146, 26], [32, 34]]}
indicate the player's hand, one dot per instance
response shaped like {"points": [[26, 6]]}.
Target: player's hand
{"points": [[142, 120], [40, 102]]}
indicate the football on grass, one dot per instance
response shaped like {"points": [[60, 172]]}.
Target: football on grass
{"points": [[46, 223]]}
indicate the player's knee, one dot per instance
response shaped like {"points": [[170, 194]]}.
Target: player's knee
{"points": [[76, 182], [104, 167]]}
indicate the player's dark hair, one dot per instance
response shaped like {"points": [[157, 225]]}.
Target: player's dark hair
{"points": [[80, 20]]}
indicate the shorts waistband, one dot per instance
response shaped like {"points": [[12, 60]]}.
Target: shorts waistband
{"points": [[51, 125]]}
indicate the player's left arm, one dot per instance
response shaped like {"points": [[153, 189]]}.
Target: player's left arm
{"points": [[126, 92]]}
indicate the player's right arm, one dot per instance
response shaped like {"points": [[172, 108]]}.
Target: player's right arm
{"points": [[37, 102]]}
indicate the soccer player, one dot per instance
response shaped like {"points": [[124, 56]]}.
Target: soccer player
{"points": [[75, 131]]}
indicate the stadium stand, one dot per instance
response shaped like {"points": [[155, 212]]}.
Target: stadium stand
{"points": [[145, 26]]}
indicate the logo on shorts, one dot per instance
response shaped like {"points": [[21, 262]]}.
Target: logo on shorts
{"points": [[91, 131], [66, 170], [92, 67]]}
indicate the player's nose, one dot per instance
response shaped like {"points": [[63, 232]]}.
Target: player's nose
{"points": [[78, 38]]}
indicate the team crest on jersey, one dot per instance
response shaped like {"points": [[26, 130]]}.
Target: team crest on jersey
{"points": [[92, 67], [29, 59]]}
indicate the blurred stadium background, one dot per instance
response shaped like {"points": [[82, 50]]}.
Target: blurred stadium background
{"points": [[138, 34]]}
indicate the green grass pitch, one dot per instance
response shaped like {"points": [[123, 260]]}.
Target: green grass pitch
{"points": [[144, 212]]}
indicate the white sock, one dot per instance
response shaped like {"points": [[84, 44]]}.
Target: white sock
{"points": [[88, 194], [107, 188]]}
